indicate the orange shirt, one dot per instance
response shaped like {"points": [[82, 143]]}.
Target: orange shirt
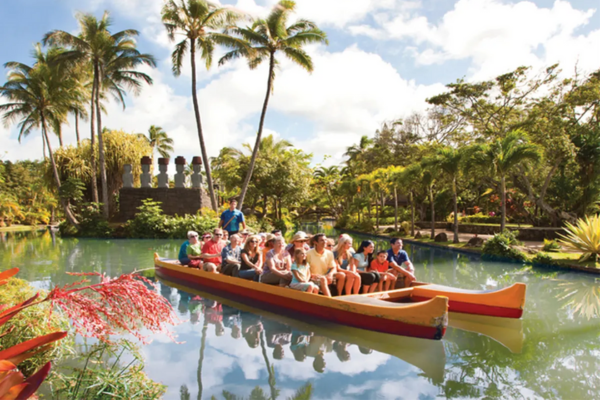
{"points": [[212, 247], [380, 267]]}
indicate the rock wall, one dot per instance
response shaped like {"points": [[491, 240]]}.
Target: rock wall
{"points": [[178, 201]]}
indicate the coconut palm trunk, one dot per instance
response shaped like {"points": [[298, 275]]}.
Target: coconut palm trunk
{"points": [[101, 157], [432, 212], [209, 182], [412, 214], [201, 358], [503, 193], [77, 128], [455, 199], [259, 133], [395, 209], [63, 202], [93, 143]]}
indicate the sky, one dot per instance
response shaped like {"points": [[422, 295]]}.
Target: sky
{"points": [[384, 59]]}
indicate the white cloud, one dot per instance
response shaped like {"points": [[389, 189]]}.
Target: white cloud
{"points": [[495, 35]]}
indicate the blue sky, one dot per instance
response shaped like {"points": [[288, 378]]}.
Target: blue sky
{"points": [[385, 57]]}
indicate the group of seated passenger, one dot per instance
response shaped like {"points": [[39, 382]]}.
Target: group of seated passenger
{"points": [[310, 264]]}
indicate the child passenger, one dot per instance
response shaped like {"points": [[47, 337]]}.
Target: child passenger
{"points": [[301, 274], [382, 265]]}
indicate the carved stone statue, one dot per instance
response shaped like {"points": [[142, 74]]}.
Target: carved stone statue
{"points": [[179, 175], [196, 177], [163, 178], [146, 178], [127, 176]]}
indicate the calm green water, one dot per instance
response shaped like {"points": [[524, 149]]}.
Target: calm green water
{"points": [[553, 352]]}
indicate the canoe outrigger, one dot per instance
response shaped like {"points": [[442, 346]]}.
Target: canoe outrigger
{"points": [[427, 319], [507, 302]]}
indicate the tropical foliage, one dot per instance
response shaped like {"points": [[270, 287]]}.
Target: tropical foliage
{"points": [[113, 59], [584, 237]]}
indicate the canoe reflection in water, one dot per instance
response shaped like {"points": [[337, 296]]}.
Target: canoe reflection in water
{"points": [[302, 344], [303, 338]]}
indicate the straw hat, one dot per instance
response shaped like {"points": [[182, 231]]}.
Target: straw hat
{"points": [[299, 236], [270, 237]]}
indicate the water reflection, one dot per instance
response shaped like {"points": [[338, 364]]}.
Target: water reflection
{"points": [[304, 339], [233, 349]]}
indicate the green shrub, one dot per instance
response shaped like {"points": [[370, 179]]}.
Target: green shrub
{"points": [[480, 218], [92, 222], [551, 246], [178, 227], [258, 225], [543, 258], [106, 374], [149, 222], [405, 228], [501, 245]]}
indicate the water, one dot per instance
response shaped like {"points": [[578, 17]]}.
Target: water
{"points": [[553, 352]]}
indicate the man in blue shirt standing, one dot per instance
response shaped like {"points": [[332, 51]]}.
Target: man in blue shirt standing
{"points": [[400, 263], [232, 218]]}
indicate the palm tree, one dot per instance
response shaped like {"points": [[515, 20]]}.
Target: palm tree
{"points": [[113, 59], [159, 141], [39, 96], [410, 178], [261, 42], [501, 157], [449, 160], [355, 153], [197, 21]]}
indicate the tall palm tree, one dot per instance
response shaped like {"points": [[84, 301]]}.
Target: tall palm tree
{"points": [[113, 59], [502, 156], [198, 22], [159, 141], [262, 41], [449, 160], [39, 96]]}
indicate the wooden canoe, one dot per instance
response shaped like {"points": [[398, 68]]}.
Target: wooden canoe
{"points": [[427, 355], [507, 302], [426, 319]]}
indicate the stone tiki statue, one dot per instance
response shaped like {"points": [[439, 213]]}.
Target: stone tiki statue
{"points": [[180, 175], [146, 178], [127, 176], [163, 178], [196, 177]]}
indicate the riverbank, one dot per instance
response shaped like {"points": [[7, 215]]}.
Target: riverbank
{"points": [[561, 260], [22, 228]]}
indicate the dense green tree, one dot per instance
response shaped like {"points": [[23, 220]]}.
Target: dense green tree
{"points": [[262, 41], [113, 59], [198, 23], [503, 156], [39, 97]]}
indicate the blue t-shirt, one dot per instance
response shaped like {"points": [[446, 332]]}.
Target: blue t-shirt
{"points": [[399, 258], [234, 225], [183, 251]]}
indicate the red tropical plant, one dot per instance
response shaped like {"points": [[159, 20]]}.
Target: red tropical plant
{"points": [[119, 305]]}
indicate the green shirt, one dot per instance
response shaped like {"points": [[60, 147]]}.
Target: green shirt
{"points": [[194, 250]]}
